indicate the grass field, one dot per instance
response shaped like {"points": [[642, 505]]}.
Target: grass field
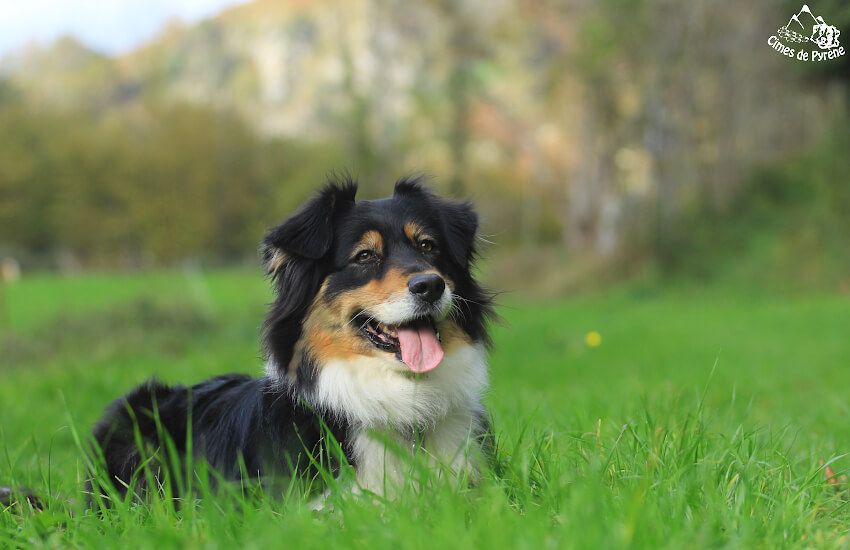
{"points": [[703, 418]]}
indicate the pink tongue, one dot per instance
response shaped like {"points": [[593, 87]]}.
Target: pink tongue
{"points": [[420, 349]]}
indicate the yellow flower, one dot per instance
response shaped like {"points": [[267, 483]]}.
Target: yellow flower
{"points": [[593, 339]]}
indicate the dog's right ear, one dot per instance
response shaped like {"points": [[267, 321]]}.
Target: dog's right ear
{"points": [[308, 234], [291, 254]]}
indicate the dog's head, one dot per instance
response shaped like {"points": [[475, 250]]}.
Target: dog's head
{"points": [[386, 283]]}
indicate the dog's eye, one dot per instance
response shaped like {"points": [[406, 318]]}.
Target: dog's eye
{"points": [[427, 245], [364, 256]]}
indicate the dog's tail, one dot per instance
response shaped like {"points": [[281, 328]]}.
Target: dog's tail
{"points": [[11, 497]]}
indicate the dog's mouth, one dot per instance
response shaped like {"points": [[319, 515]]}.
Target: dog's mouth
{"points": [[415, 343]]}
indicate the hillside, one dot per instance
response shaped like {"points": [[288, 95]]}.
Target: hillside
{"points": [[292, 68], [65, 74]]}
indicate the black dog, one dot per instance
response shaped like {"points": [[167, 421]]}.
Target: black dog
{"points": [[377, 335]]}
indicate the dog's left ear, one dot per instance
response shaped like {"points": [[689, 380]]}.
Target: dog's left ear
{"points": [[308, 234]]}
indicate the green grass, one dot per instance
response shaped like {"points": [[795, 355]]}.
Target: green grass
{"points": [[702, 419]]}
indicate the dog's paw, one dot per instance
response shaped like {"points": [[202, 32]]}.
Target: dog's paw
{"points": [[320, 503]]}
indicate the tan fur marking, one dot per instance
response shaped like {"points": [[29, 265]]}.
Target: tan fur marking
{"points": [[327, 345], [371, 240], [277, 260], [292, 367], [412, 230], [415, 233], [374, 292], [452, 336], [326, 334]]}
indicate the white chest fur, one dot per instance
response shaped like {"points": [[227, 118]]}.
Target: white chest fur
{"points": [[394, 414]]}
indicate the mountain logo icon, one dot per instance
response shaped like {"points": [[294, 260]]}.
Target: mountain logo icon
{"points": [[807, 30], [806, 27]]}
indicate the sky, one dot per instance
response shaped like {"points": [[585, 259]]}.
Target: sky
{"points": [[111, 26]]}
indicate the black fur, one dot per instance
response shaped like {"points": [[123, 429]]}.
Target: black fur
{"points": [[233, 418], [263, 424], [304, 239]]}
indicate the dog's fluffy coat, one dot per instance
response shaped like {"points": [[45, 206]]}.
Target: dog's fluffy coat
{"points": [[343, 318]]}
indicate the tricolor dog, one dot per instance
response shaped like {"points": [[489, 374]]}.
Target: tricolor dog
{"points": [[377, 336]]}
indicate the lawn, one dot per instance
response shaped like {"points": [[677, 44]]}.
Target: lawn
{"points": [[703, 417]]}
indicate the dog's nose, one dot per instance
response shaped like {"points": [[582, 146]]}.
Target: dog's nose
{"points": [[428, 287]]}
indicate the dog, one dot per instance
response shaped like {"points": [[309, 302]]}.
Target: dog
{"points": [[376, 339]]}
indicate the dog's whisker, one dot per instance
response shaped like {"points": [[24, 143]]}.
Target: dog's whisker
{"points": [[457, 305], [468, 300], [347, 323], [456, 308], [344, 326], [366, 322]]}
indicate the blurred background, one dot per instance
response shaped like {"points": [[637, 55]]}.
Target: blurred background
{"points": [[600, 140]]}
